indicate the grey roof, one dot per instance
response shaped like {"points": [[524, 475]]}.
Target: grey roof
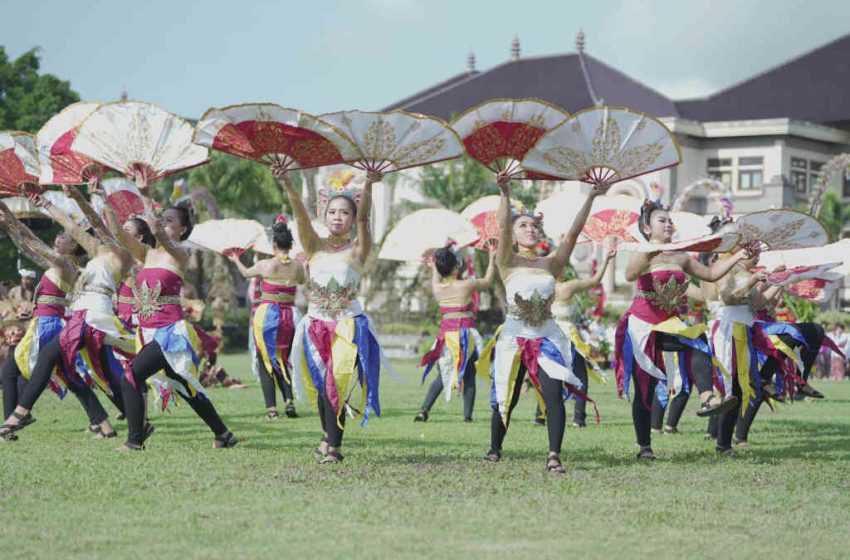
{"points": [[812, 87], [557, 79]]}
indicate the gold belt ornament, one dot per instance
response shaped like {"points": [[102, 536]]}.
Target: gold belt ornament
{"points": [[51, 300], [669, 295], [148, 301], [282, 298], [534, 311], [332, 299]]}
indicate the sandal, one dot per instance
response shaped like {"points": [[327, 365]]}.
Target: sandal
{"points": [[740, 443], [769, 391], [120, 416], [130, 447], [724, 451], [149, 430], [553, 464], [332, 458], [579, 425], [671, 430], [225, 440], [100, 434], [646, 453], [7, 430], [492, 456], [272, 415], [422, 416], [708, 409], [290, 410], [810, 392], [318, 451]]}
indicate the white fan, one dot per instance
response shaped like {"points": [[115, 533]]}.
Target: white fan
{"points": [[781, 229], [689, 225], [18, 162], [604, 145], [813, 256], [426, 229], [715, 243], [225, 235], [132, 136], [396, 140], [123, 196], [60, 165]]}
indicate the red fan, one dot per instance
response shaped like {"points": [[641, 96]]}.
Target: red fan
{"points": [[612, 216], [272, 134], [18, 163], [498, 133], [60, 165], [484, 215], [817, 290]]}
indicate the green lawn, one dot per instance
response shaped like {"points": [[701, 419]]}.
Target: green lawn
{"points": [[410, 490]]}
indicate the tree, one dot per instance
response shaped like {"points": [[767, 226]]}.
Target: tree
{"points": [[834, 215], [27, 98]]}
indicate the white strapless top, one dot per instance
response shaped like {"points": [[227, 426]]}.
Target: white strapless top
{"points": [[530, 293], [333, 285], [96, 287]]}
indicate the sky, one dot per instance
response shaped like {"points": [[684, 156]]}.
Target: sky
{"points": [[330, 55]]}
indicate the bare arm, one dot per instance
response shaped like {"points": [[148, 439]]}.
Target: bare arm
{"points": [[565, 248], [33, 247], [95, 221], [732, 294], [138, 249], [570, 287], [489, 275], [717, 270], [637, 265], [86, 241], [310, 240], [177, 252], [364, 234], [252, 272], [504, 251]]}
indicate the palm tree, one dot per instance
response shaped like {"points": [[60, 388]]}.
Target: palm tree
{"points": [[834, 215]]}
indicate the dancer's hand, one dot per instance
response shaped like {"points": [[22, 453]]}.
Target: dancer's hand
{"points": [[278, 170], [600, 189], [503, 181], [374, 176]]}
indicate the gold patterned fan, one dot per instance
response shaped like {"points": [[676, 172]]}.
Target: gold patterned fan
{"points": [[604, 145], [60, 165], [781, 229], [396, 140], [18, 163]]}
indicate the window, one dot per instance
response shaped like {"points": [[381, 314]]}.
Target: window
{"points": [[814, 169], [800, 175], [750, 173], [720, 170]]}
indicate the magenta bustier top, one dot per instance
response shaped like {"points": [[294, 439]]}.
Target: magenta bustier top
{"points": [[660, 295], [277, 294], [158, 297], [50, 299]]}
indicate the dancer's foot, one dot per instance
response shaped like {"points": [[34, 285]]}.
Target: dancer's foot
{"points": [[322, 449], [646, 453], [225, 440], [655, 431], [149, 430], [553, 464], [16, 421], [104, 433], [579, 425], [671, 430], [492, 456], [271, 414], [130, 447], [467, 418], [120, 416], [289, 410], [809, 391], [742, 443], [715, 405], [724, 451], [422, 416], [332, 458]]}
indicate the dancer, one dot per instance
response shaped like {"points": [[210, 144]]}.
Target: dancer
{"points": [[92, 329], [458, 344], [166, 341], [336, 338], [580, 357], [652, 342], [275, 317], [529, 341]]}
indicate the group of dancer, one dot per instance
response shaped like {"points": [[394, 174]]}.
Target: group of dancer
{"points": [[117, 326]]}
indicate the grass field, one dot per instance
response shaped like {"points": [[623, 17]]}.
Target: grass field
{"points": [[412, 490]]}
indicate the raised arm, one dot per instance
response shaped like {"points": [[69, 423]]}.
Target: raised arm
{"points": [[34, 248], [565, 248], [731, 293], [489, 276], [248, 272], [176, 251], [364, 233], [310, 240], [95, 221], [505, 251], [717, 270], [581, 284], [637, 265], [86, 241]]}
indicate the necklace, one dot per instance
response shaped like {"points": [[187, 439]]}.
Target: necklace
{"points": [[283, 259], [527, 253], [337, 242]]}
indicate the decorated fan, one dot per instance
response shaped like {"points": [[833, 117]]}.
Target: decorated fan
{"points": [[67, 206], [604, 145], [689, 226], [484, 215], [611, 216], [272, 134], [264, 244], [131, 137], [814, 256], [799, 273], [817, 290], [498, 133], [18, 162], [60, 165], [221, 236], [23, 209], [123, 196], [426, 229], [396, 140], [714, 243], [781, 229]]}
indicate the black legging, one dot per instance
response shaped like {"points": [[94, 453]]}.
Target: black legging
{"points": [[556, 414], [268, 382], [13, 383], [436, 388], [149, 361], [704, 382], [329, 420], [50, 356]]}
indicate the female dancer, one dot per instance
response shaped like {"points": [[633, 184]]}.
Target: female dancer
{"points": [[529, 341], [92, 330], [168, 342], [336, 337], [50, 299], [458, 344], [580, 357], [652, 342], [275, 318]]}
